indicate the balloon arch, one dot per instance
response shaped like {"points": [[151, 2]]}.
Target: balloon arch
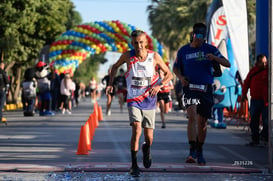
{"points": [[75, 45]]}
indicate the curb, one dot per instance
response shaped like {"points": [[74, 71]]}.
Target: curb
{"points": [[124, 167]]}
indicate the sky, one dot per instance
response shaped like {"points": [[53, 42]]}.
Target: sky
{"points": [[128, 11]]}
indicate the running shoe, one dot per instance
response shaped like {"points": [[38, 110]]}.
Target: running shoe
{"points": [[163, 125], [192, 157], [134, 171], [147, 157], [108, 113], [49, 113], [200, 159]]}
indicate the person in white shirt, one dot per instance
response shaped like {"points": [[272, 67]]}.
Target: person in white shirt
{"points": [[67, 89]]}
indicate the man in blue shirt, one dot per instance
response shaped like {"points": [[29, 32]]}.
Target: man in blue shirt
{"points": [[194, 66]]}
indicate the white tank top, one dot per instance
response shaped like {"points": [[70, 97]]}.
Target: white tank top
{"points": [[140, 77]]}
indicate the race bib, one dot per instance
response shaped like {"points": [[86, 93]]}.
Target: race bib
{"points": [[196, 87], [140, 82], [139, 85]]}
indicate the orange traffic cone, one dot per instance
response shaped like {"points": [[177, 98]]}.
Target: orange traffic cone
{"points": [[82, 147], [87, 135], [95, 120], [100, 118], [96, 110], [4, 121], [91, 127]]}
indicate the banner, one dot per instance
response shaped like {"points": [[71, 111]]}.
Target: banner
{"points": [[236, 15], [223, 33]]}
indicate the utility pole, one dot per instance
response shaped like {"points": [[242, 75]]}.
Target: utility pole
{"points": [[270, 87]]}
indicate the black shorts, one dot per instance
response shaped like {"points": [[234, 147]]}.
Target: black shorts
{"points": [[164, 96], [202, 98]]}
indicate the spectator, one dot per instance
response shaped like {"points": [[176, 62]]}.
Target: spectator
{"points": [[29, 88], [257, 82], [4, 86], [55, 83], [67, 88], [45, 99], [77, 92]]}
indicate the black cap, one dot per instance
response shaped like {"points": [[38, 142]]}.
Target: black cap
{"points": [[199, 28]]}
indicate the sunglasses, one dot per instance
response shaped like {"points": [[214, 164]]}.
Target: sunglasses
{"points": [[198, 35]]}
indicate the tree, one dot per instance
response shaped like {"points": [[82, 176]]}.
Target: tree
{"points": [[171, 21], [27, 26], [251, 18], [89, 68]]}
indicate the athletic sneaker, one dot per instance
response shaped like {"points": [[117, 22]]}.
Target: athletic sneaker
{"points": [[108, 113], [163, 125], [134, 171], [147, 157], [200, 159], [49, 113], [192, 157]]}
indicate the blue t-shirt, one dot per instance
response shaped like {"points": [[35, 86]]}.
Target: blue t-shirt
{"points": [[194, 64]]}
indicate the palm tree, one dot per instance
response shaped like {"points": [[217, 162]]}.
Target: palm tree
{"points": [[172, 21]]}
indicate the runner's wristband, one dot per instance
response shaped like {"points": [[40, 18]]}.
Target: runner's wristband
{"points": [[160, 84]]}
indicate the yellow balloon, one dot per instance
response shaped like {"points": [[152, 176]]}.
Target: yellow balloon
{"points": [[97, 49], [120, 49], [80, 29], [63, 47], [61, 69], [85, 31], [117, 29], [59, 57], [53, 48], [90, 43], [84, 41]]}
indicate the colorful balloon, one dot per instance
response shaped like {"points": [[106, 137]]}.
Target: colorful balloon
{"points": [[75, 45]]}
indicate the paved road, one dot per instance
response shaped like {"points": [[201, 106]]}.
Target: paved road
{"points": [[44, 148]]}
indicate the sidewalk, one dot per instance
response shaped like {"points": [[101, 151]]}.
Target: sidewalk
{"points": [[45, 148]]}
